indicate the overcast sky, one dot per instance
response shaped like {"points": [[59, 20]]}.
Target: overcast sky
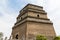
{"points": [[9, 10]]}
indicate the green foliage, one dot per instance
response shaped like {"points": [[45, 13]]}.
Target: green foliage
{"points": [[57, 38], [40, 37], [1, 34]]}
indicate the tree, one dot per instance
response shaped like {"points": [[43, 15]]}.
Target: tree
{"points": [[40, 37], [1, 36], [57, 38]]}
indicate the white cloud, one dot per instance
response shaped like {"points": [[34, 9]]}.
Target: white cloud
{"points": [[37, 2], [7, 18]]}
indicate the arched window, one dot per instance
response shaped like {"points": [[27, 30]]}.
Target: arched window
{"points": [[37, 15], [17, 36]]}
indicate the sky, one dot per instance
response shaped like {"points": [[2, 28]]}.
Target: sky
{"points": [[9, 10]]}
